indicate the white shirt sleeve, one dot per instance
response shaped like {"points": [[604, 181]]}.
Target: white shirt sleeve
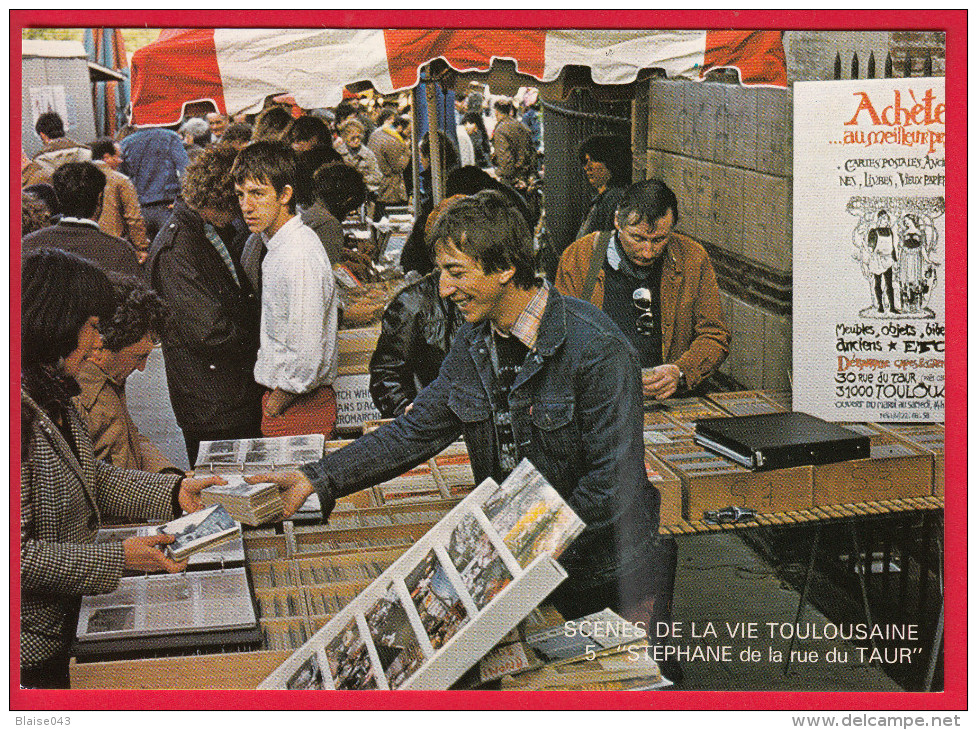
{"points": [[299, 318]]}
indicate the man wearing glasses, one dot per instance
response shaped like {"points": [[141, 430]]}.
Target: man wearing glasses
{"points": [[657, 285]]}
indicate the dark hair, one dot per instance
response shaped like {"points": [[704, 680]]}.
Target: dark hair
{"points": [[340, 188], [59, 292], [504, 105], [47, 193], [306, 165], [104, 146], [272, 123], [50, 125], [612, 151], [490, 229], [647, 201], [267, 161], [78, 185], [385, 115], [237, 132], [449, 155], [472, 179], [139, 311], [344, 109], [308, 128], [472, 117], [207, 181], [34, 214]]}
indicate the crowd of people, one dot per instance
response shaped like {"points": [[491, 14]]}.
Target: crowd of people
{"points": [[218, 241]]}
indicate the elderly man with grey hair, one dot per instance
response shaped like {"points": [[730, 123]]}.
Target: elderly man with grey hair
{"points": [[196, 135]]}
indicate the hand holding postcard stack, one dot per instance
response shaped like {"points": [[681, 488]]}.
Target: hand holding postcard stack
{"points": [[255, 504], [252, 504], [198, 530]]}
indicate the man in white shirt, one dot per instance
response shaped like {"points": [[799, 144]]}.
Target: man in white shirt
{"points": [[297, 359]]}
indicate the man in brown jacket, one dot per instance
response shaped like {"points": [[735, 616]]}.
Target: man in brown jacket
{"points": [[127, 340], [390, 145], [515, 155], [658, 286], [121, 215]]}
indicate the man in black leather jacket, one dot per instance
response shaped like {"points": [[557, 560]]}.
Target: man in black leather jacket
{"points": [[416, 333], [212, 343]]}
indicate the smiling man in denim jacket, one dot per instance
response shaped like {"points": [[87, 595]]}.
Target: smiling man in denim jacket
{"points": [[532, 374]]}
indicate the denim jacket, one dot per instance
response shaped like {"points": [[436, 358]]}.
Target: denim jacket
{"points": [[155, 159], [576, 415]]}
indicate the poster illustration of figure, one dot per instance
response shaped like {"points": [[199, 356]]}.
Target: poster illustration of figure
{"points": [[869, 268], [895, 242]]}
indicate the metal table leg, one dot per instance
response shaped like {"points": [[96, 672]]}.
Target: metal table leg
{"points": [[808, 574]]}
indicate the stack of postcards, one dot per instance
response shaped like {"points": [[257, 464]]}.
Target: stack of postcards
{"points": [[199, 530], [252, 504]]}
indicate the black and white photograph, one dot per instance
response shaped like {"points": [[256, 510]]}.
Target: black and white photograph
{"points": [[198, 530], [110, 619]]}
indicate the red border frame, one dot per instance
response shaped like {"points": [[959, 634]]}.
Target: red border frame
{"points": [[954, 697]]}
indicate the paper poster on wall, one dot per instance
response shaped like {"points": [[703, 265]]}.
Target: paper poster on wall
{"points": [[48, 99], [869, 241]]}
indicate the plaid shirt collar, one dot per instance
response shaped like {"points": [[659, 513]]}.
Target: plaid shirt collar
{"points": [[526, 328]]}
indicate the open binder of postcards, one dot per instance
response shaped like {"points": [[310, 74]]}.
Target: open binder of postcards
{"points": [[449, 599], [206, 609]]}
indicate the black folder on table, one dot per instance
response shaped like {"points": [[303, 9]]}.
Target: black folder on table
{"points": [[780, 440]]}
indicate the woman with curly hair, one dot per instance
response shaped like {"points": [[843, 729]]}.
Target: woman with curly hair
{"points": [[127, 340], [211, 343]]}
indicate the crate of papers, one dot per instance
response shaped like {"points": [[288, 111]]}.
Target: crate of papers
{"points": [[285, 634], [660, 428], [359, 568], [669, 486], [929, 437], [686, 410], [711, 482], [746, 403], [895, 469]]}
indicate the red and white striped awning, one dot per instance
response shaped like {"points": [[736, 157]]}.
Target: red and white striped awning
{"points": [[236, 68]]}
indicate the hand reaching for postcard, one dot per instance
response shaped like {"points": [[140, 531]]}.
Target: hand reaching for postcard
{"points": [[294, 486], [143, 554], [190, 487]]}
